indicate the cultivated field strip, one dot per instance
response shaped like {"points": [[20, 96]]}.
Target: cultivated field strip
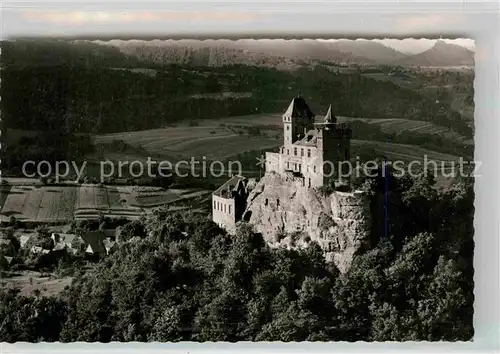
{"points": [[14, 203], [65, 203], [224, 147], [117, 199], [49, 205], [217, 140], [86, 198], [403, 152], [33, 203], [397, 125]]}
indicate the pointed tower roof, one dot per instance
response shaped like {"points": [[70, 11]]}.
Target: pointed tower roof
{"points": [[298, 108], [329, 117]]}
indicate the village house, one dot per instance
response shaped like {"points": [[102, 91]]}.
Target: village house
{"points": [[98, 244], [229, 202], [71, 242], [5, 262], [24, 239]]}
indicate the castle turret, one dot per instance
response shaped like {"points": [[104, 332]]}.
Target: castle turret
{"points": [[334, 142], [297, 119], [329, 118]]}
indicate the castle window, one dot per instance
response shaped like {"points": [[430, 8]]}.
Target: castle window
{"points": [[267, 202], [224, 208], [309, 183], [278, 202], [314, 169], [288, 165], [287, 127], [230, 209], [308, 152], [215, 204], [295, 151], [301, 152], [287, 151]]}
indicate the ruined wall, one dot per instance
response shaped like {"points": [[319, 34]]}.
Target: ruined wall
{"points": [[340, 222]]}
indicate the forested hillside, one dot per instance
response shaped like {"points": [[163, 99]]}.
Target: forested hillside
{"points": [[88, 89], [183, 278]]}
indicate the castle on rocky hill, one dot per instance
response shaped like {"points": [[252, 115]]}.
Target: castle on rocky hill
{"points": [[287, 205]]}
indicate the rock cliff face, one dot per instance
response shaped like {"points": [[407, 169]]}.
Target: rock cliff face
{"points": [[340, 223]]}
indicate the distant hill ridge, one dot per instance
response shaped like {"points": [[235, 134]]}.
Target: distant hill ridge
{"points": [[280, 54], [441, 54], [288, 53]]}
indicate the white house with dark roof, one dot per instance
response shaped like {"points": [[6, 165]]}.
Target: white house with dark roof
{"points": [[70, 241], [229, 202]]}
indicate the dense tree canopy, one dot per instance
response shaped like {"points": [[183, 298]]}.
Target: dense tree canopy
{"points": [[183, 278]]}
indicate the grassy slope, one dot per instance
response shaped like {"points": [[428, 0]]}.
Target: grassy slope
{"points": [[216, 140]]}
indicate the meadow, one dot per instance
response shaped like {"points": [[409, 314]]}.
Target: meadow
{"points": [[226, 137]]}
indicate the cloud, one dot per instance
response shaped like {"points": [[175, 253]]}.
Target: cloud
{"points": [[85, 17]]}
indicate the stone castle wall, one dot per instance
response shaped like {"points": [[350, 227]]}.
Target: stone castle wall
{"points": [[340, 223]]}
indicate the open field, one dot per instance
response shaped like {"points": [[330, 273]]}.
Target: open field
{"points": [[219, 139], [63, 203], [402, 152], [397, 125], [176, 143], [405, 81], [27, 282]]}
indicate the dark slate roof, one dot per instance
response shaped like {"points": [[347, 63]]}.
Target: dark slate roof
{"points": [[230, 184], [329, 117], [298, 108], [95, 239], [65, 238]]}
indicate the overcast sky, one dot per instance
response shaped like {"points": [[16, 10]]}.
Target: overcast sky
{"points": [[204, 19]]}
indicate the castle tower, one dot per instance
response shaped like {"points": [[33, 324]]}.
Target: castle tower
{"points": [[297, 119], [334, 143]]}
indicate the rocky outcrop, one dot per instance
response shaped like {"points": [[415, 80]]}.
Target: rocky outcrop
{"points": [[288, 214]]}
